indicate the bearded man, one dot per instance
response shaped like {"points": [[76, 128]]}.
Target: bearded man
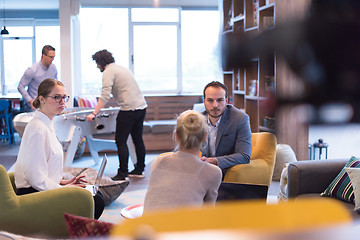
{"points": [[230, 139]]}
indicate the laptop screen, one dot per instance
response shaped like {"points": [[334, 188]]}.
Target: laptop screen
{"points": [[237, 191], [101, 171]]}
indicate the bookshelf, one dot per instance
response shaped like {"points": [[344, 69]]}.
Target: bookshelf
{"points": [[250, 86]]}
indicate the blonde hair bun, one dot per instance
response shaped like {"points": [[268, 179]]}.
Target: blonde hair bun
{"points": [[191, 129]]}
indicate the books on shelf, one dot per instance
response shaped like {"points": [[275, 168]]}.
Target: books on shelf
{"points": [[269, 122], [237, 87], [269, 84], [256, 7], [252, 88]]}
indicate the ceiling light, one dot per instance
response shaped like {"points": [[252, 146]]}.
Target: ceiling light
{"points": [[4, 31]]}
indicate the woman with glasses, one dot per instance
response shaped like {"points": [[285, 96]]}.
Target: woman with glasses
{"points": [[39, 165]]}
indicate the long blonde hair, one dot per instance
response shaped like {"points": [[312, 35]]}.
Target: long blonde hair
{"points": [[191, 129]]}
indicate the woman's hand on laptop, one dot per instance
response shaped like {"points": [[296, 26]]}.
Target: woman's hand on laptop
{"points": [[75, 181]]}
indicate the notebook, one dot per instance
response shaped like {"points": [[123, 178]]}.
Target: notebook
{"points": [[94, 188]]}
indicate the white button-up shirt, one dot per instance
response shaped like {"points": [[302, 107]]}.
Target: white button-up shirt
{"points": [[40, 160], [212, 136]]}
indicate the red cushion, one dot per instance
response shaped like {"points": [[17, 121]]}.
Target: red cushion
{"points": [[82, 227]]}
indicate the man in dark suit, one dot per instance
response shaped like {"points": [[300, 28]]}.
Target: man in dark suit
{"points": [[230, 138]]}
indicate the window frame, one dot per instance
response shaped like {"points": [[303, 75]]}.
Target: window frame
{"points": [[55, 22], [178, 51], [179, 88], [22, 22]]}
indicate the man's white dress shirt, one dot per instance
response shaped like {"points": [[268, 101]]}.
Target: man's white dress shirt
{"points": [[212, 136]]}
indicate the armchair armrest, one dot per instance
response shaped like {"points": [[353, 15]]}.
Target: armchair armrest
{"points": [[255, 172], [312, 176], [41, 214], [262, 161]]}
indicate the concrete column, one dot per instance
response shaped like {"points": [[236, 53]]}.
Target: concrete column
{"points": [[68, 11]]}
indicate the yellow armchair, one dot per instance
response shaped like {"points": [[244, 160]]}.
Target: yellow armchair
{"points": [[40, 214], [262, 161]]}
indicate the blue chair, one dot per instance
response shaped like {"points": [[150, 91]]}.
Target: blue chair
{"points": [[7, 130]]}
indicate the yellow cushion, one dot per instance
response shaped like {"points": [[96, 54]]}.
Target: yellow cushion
{"points": [[294, 215]]}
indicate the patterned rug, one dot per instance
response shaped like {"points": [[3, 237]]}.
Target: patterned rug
{"points": [[134, 192]]}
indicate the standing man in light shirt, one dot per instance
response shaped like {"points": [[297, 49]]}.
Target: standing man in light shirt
{"points": [[230, 138], [120, 82], [35, 74]]}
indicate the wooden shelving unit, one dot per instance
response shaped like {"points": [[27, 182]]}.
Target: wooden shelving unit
{"points": [[250, 86], [247, 85]]}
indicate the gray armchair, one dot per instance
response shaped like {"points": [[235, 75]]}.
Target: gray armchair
{"points": [[309, 178], [312, 176]]}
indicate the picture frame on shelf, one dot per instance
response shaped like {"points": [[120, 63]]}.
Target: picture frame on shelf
{"points": [[269, 84], [267, 22]]}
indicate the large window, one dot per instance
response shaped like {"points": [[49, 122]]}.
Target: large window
{"points": [[22, 47], [48, 35], [169, 50], [155, 57], [155, 45], [102, 28], [200, 56], [17, 48]]}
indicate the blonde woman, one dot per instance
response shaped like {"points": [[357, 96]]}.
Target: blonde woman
{"points": [[181, 178]]}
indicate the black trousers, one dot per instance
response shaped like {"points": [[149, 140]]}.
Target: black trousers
{"points": [[130, 122], [98, 200]]}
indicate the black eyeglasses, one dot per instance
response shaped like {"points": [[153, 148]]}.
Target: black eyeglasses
{"points": [[58, 98]]}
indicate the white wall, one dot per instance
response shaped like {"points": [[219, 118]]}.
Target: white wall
{"points": [[68, 11], [343, 140]]}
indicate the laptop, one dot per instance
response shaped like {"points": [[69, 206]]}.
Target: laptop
{"points": [[93, 189], [237, 191]]}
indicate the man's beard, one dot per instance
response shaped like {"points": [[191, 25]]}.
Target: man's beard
{"points": [[209, 112]]}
